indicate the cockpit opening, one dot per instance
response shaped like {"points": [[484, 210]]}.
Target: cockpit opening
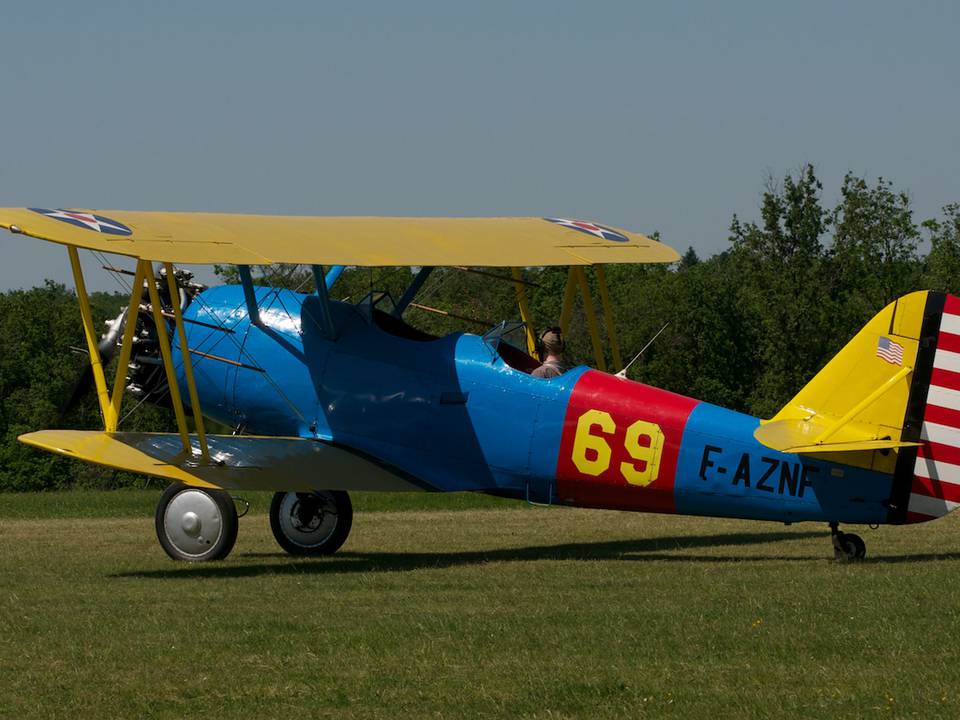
{"points": [[507, 339]]}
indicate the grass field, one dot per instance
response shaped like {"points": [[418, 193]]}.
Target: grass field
{"points": [[473, 608]]}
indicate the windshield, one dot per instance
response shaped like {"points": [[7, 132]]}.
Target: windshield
{"points": [[511, 332]]}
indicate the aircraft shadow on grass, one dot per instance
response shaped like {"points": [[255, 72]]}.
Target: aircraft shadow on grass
{"points": [[657, 549]]}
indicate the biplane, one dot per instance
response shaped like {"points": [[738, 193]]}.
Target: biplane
{"points": [[327, 397]]}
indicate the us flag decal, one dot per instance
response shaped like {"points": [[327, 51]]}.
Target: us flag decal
{"points": [[890, 351]]}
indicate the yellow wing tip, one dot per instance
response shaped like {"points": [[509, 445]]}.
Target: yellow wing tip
{"points": [[45, 440], [674, 255], [102, 448]]}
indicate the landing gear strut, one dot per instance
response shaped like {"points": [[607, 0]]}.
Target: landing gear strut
{"points": [[846, 546]]}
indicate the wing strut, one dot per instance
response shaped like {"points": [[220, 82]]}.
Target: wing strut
{"points": [[518, 284], [249, 294], [326, 317], [110, 402], [187, 362], [106, 408], [592, 324], [333, 274], [126, 347], [576, 276], [174, 388], [569, 292], [608, 316], [411, 292]]}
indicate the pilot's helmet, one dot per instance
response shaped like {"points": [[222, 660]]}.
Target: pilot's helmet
{"points": [[551, 341]]}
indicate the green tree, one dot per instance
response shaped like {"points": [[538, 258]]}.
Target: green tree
{"points": [[43, 355], [942, 271], [873, 257], [786, 311]]}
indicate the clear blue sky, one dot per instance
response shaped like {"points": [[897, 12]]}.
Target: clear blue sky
{"points": [[666, 117]]}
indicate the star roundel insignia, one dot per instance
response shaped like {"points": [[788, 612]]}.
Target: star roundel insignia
{"points": [[97, 223], [604, 233]]}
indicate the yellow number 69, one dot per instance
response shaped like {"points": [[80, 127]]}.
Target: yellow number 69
{"points": [[646, 456]]}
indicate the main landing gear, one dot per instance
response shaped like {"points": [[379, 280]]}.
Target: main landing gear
{"points": [[847, 546], [314, 523], [197, 524]]}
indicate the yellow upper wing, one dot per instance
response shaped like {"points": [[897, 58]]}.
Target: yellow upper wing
{"points": [[204, 238]]}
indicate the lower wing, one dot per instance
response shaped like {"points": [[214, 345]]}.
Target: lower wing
{"points": [[235, 463]]}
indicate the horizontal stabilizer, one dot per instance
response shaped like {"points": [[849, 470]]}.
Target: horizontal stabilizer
{"points": [[798, 436], [236, 462]]}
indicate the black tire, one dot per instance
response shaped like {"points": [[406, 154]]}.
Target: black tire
{"points": [[854, 547], [315, 523], [209, 534]]}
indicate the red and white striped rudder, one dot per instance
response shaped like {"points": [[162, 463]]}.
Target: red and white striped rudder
{"points": [[935, 482]]}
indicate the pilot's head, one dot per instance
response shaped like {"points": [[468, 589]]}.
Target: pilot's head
{"points": [[551, 342]]}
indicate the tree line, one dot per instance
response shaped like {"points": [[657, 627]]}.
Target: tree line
{"points": [[745, 328]]}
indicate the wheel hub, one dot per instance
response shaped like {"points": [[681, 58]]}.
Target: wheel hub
{"points": [[307, 515], [307, 520], [193, 522]]}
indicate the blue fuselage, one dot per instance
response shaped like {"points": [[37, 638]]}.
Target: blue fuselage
{"points": [[453, 415]]}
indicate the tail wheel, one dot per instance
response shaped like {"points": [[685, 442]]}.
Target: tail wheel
{"points": [[854, 548], [311, 523], [847, 546], [195, 524]]}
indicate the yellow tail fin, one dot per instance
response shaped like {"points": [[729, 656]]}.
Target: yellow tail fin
{"points": [[858, 402], [894, 388]]}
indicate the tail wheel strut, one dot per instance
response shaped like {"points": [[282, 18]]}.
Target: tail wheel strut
{"points": [[846, 546]]}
